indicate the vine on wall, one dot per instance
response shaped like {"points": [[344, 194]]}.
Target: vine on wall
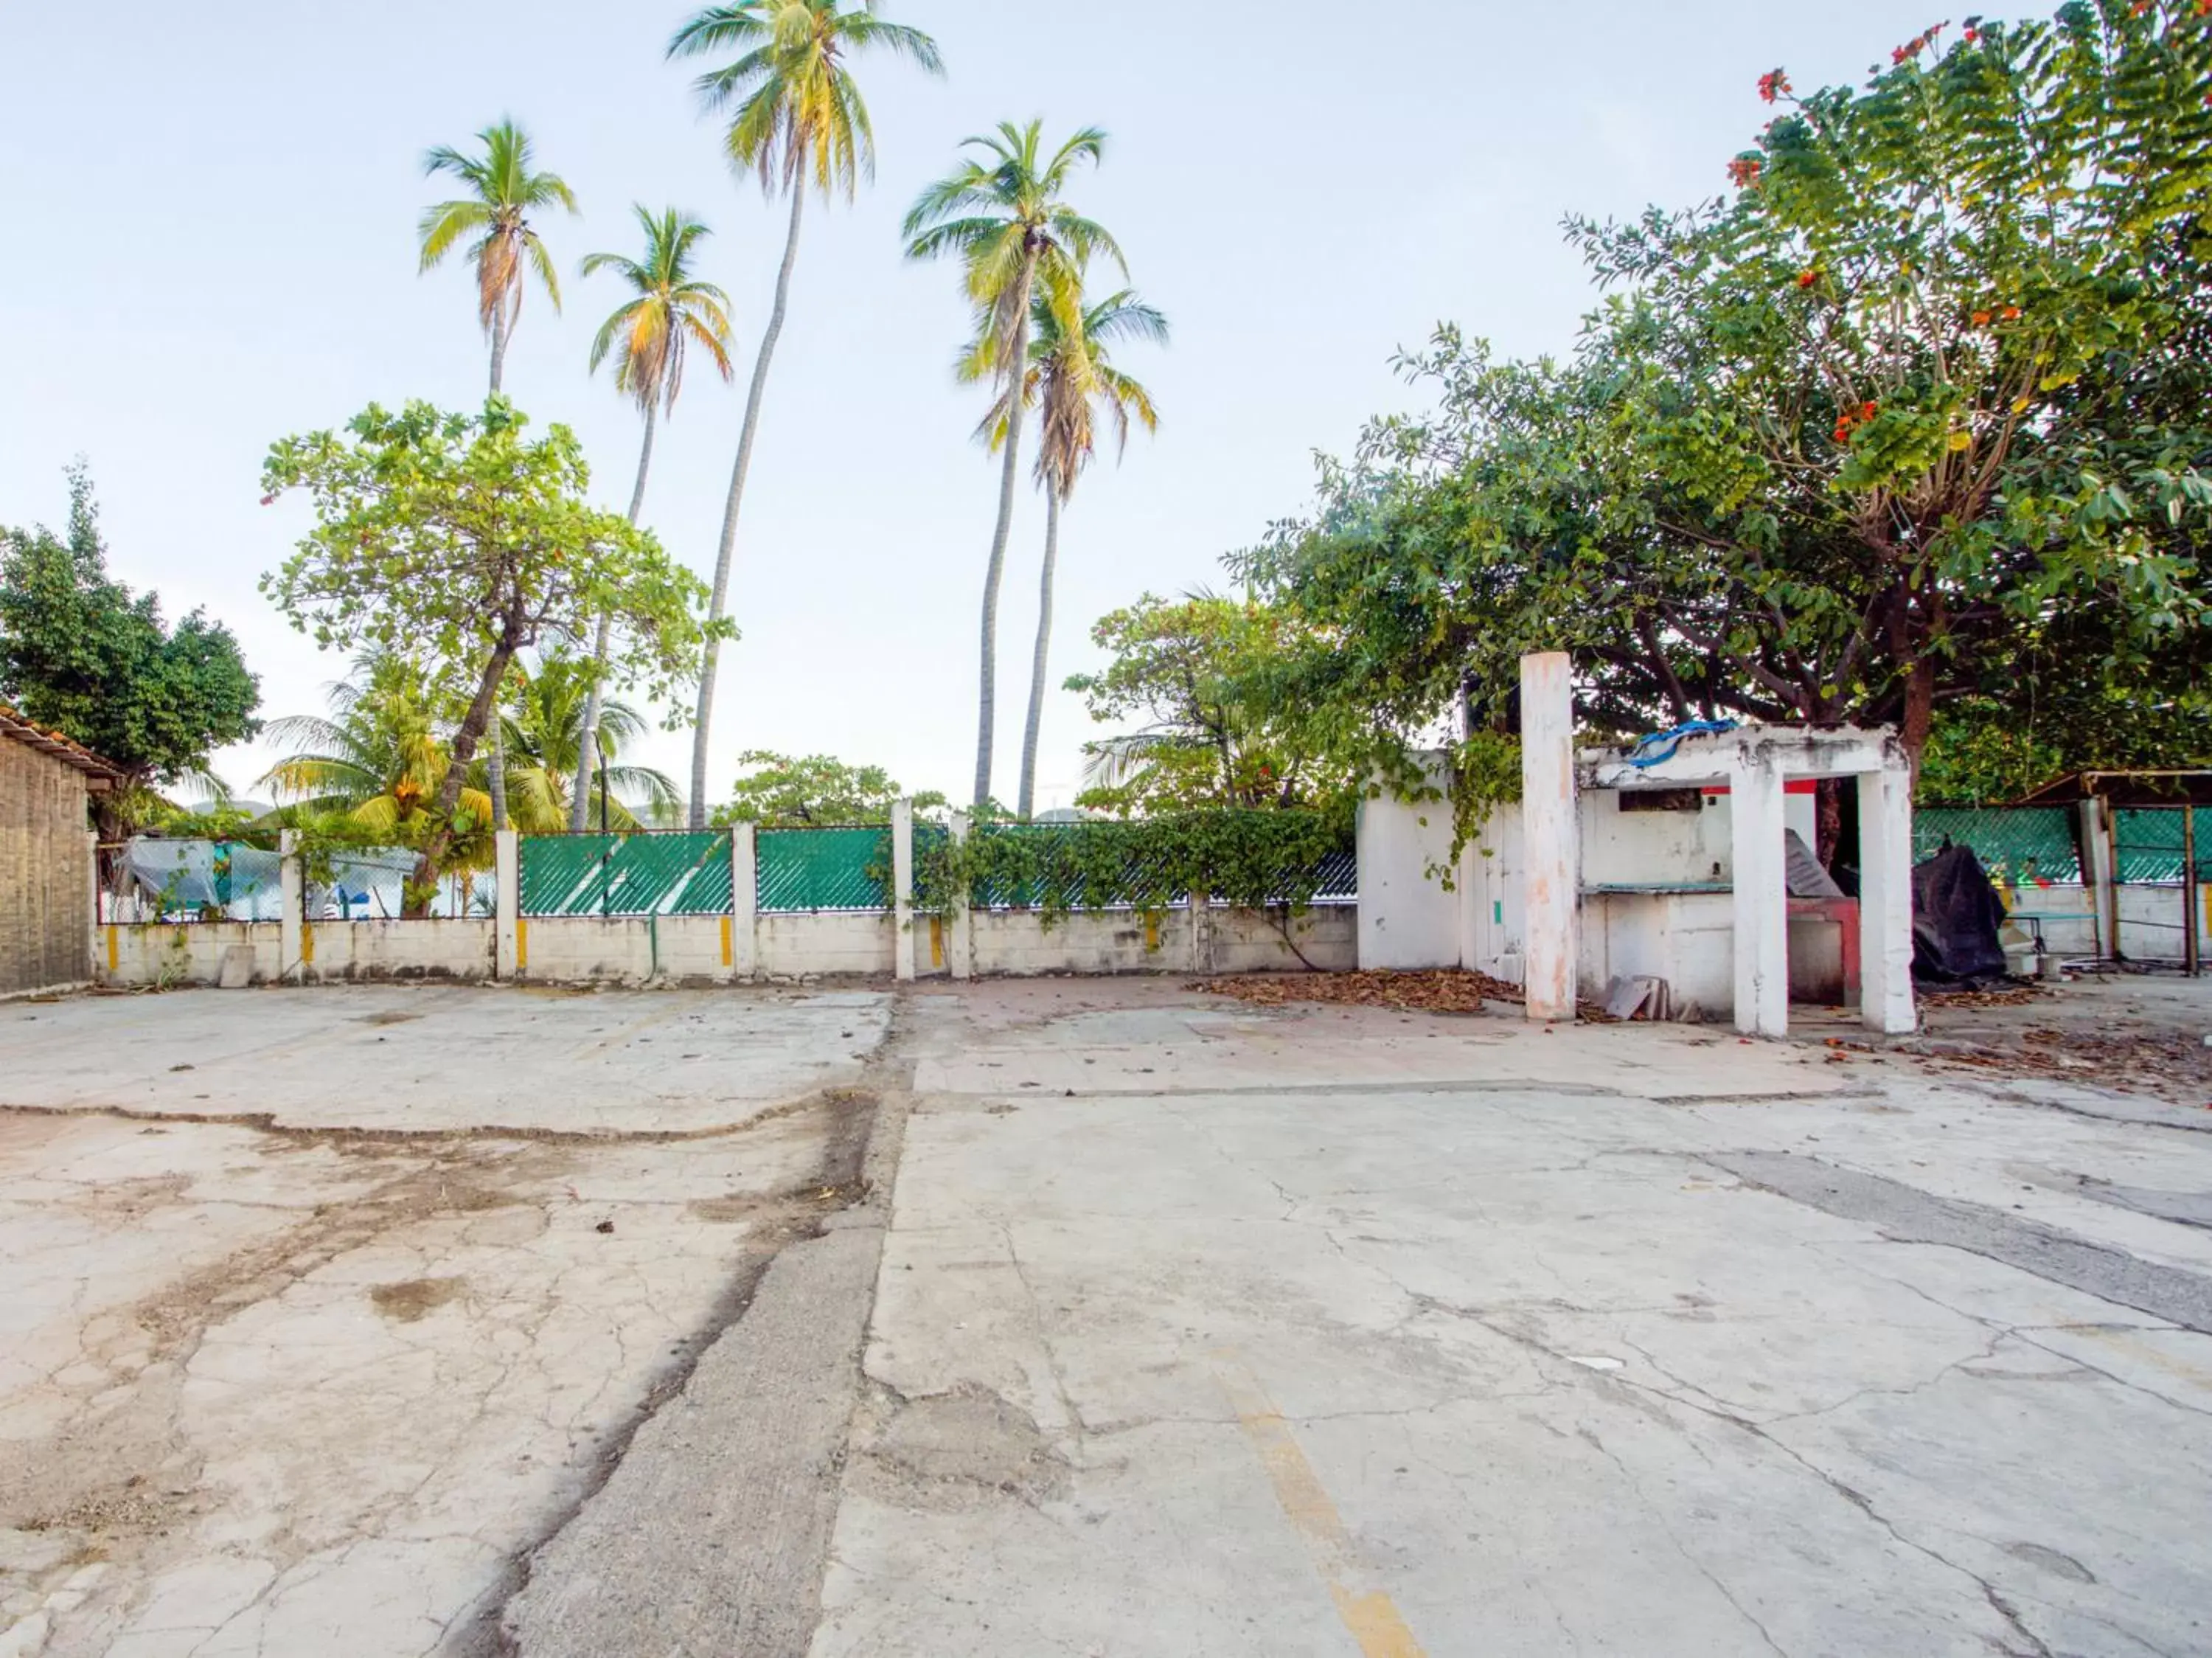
{"points": [[1245, 859]]}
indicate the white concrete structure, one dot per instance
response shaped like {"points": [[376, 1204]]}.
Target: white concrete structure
{"points": [[1552, 839], [1753, 764], [903, 889], [507, 853], [1407, 921]]}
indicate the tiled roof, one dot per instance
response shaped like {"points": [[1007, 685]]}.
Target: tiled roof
{"points": [[13, 724]]}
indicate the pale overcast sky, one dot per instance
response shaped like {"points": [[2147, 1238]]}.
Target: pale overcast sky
{"points": [[210, 212]]}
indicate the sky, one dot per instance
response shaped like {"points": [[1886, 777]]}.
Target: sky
{"points": [[208, 217]]}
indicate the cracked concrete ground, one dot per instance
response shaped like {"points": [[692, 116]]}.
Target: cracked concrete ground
{"points": [[1211, 1329], [324, 1309], [1088, 1317]]}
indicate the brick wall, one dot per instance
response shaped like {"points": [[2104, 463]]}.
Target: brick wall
{"points": [[46, 878]]}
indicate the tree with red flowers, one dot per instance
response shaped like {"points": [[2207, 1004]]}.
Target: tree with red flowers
{"points": [[1915, 418]]}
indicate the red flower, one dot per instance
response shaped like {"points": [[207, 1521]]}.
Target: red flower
{"points": [[1743, 172], [1921, 42], [1869, 411], [1981, 319], [1807, 278], [1773, 85], [2012, 313], [1973, 35]]}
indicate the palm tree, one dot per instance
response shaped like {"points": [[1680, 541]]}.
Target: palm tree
{"points": [[1073, 380], [649, 335], [797, 119], [379, 756], [1001, 214], [545, 736], [503, 192]]}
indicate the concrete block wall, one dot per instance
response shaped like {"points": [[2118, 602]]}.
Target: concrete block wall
{"points": [[338, 952], [797, 946], [727, 949], [150, 953]]}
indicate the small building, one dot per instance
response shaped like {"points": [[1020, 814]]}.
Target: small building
{"points": [[48, 865]]}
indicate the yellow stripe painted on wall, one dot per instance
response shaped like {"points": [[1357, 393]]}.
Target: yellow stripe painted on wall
{"points": [[521, 944], [1368, 1613], [936, 941], [728, 948], [307, 943], [1151, 930], [113, 951]]}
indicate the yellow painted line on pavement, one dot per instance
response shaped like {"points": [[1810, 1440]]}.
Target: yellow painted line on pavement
{"points": [[623, 1034], [1368, 1612]]}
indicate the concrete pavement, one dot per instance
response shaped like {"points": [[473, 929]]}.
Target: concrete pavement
{"points": [[1024, 1318], [1459, 1338]]}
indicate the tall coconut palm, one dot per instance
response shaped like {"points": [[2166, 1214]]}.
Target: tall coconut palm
{"points": [[1072, 380], [797, 120], [648, 336], [1000, 212], [503, 192]]}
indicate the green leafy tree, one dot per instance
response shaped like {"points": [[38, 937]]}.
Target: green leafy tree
{"points": [[81, 654], [649, 337], [797, 119], [1867, 440], [786, 791], [503, 190], [453, 539], [1072, 381], [377, 759], [1002, 215], [1192, 673]]}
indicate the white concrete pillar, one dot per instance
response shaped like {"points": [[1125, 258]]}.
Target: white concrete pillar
{"points": [[744, 901], [1762, 901], [2101, 870], [902, 890], [292, 911], [92, 936], [506, 852], [1886, 902], [1551, 835], [960, 942]]}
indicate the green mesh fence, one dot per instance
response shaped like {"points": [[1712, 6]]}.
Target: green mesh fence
{"points": [[2015, 844], [646, 874], [2149, 844], [1103, 889], [801, 870]]}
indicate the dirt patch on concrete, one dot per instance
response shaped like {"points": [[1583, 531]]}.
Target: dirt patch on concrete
{"points": [[952, 1451], [1447, 992], [416, 1299]]}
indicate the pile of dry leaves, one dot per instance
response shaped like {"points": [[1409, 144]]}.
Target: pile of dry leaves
{"points": [[1446, 991]]}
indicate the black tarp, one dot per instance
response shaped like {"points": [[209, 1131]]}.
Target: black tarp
{"points": [[1956, 914]]}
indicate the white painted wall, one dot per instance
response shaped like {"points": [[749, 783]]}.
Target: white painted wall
{"points": [[134, 956], [1407, 919], [334, 951]]}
